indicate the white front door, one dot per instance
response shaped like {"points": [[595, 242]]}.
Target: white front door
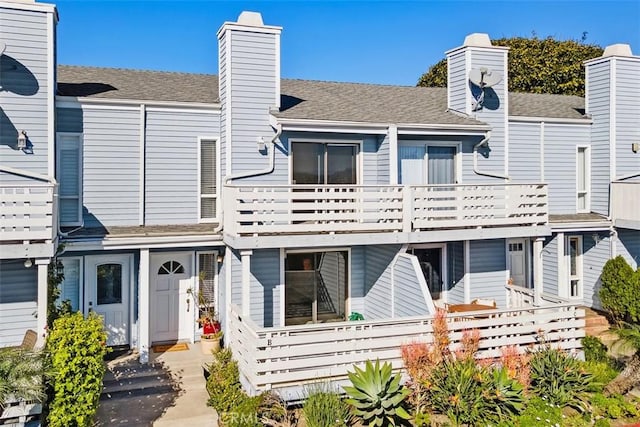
{"points": [[108, 279], [518, 262], [172, 307]]}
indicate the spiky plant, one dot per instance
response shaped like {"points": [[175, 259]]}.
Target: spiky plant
{"points": [[376, 396], [21, 374]]}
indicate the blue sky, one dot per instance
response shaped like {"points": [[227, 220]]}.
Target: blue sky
{"points": [[358, 41]]}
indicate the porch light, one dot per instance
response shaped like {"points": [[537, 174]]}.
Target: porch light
{"points": [[220, 258], [261, 143], [28, 263], [22, 140]]}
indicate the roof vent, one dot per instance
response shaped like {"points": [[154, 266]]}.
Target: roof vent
{"points": [[477, 40], [252, 19], [619, 49]]}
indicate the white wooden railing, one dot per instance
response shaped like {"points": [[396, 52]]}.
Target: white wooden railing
{"points": [[283, 209], [519, 297], [273, 358], [625, 200], [27, 212]]}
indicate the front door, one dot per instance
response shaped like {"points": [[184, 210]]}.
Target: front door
{"points": [[518, 262], [172, 306], [108, 281]]}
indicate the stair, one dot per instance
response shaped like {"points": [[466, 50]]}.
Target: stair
{"points": [[595, 323]]}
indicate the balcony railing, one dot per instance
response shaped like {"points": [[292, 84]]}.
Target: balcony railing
{"points": [[291, 209], [625, 199], [281, 358], [27, 215]]}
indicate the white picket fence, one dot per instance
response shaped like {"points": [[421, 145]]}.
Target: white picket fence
{"points": [[274, 358]]}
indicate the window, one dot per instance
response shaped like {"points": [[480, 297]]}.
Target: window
{"points": [[315, 287], [208, 180], [574, 248], [171, 267], [109, 284], [320, 163], [70, 286], [207, 266], [422, 163], [69, 167], [583, 179]]}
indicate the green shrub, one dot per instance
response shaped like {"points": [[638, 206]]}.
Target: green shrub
{"points": [[602, 423], [559, 378], [473, 395], [613, 407], [75, 351], [540, 412], [594, 349], [376, 396], [325, 408], [603, 373], [620, 287], [21, 374]]}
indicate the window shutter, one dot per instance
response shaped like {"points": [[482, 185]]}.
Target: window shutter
{"points": [[208, 182]]}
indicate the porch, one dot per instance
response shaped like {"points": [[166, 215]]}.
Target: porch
{"points": [[286, 358], [259, 215], [27, 220], [625, 199]]}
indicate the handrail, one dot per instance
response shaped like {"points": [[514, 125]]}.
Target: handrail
{"points": [[354, 186]]}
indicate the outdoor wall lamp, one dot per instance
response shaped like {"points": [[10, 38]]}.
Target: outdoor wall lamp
{"points": [[22, 140], [28, 263], [220, 258], [261, 144]]}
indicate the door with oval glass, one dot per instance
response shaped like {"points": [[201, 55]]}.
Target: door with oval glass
{"points": [[108, 279]]}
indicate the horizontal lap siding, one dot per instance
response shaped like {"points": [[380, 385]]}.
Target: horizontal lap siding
{"points": [[455, 259], [384, 161], [594, 258], [524, 152], [550, 265], [235, 269], [378, 259], [457, 82], [171, 169], [23, 98], [265, 290], [69, 120], [18, 301], [598, 106], [222, 93], [560, 142], [252, 82], [488, 270], [357, 290], [408, 298], [628, 246], [111, 167], [627, 116]]}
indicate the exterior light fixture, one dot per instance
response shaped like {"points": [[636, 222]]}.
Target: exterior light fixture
{"points": [[22, 140], [261, 143], [28, 263], [220, 258]]}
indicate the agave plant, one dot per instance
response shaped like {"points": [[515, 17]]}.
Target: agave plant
{"points": [[376, 396]]}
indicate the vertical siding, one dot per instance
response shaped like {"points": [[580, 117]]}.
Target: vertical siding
{"points": [[378, 261], [488, 270], [560, 143], [408, 298], [18, 301], [23, 98], [599, 107], [457, 84], [111, 167], [252, 83], [494, 111], [627, 104], [550, 265], [524, 152], [171, 169], [265, 294], [628, 245], [455, 269], [593, 259]]}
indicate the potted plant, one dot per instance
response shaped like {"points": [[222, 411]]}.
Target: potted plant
{"points": [[208, 321]]}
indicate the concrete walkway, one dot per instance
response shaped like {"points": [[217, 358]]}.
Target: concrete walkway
{"points": [[190, 408]]}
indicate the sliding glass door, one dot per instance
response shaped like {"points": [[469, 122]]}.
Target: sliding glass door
{"points": [[323, 163]]}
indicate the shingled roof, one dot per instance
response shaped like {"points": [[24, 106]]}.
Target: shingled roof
{"points": [[306, 99]]}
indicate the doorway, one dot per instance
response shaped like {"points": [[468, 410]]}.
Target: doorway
{"points": [[432, 259]]}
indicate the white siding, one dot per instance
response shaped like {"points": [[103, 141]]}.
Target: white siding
{"points": [[378, 261], [265, 293], [628, 245], [598, 106], [408, 298], [594, 258], [488, 270], [524, 152], [550, 265], [627, 116], [18, 301], [458, 82]]}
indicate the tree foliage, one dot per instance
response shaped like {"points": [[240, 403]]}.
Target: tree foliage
{"points": [[619, 291], [535, 65]]}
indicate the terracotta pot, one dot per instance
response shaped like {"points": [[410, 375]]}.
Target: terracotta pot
{"points": [[209, 345]]}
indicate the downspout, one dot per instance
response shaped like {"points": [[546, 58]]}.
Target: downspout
{"points": [[267, 170], [477, 171]]}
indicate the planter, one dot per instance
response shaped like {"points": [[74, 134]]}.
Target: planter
{"points": [[209, 345]]}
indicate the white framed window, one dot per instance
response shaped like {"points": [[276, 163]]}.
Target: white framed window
{"points": [[429, 162], [574, 267], [71, 286], [583, 179], [69, 174], [207, 179]]}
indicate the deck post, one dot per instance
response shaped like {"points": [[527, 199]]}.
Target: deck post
{"points": [[537, 270], [42, 265], [246, 282], [143, 306]]}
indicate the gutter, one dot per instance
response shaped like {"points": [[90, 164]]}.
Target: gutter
{"points": [[265, 171], [477, 171]]}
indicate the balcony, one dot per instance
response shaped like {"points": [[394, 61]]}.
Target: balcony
{"points": [[625, 199], [27, 220], [382, 214]]}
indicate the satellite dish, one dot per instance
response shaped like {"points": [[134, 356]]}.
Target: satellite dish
{"points": [[2, 47], [483, 78]]}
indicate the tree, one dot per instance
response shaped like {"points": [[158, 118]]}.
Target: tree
{"points": [[630, 375], [535, 65]]}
